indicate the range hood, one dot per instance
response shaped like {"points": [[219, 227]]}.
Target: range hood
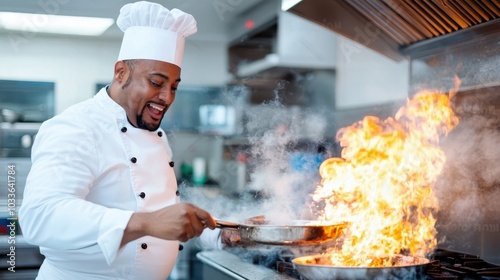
{"points": [[401, 29], [278, 43]]}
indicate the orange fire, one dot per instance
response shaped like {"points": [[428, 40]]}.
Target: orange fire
{"points": [[383, 183]]}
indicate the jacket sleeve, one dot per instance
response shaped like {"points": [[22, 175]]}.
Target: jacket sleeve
{"points": [[54, 212], [211, 239]]}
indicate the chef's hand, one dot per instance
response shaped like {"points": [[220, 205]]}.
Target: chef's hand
{"points": [[230, 238], [181, 221]]}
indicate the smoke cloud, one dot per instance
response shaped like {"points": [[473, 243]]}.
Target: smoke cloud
{"points": [[284, 177], [468, 188], [281, 178]]}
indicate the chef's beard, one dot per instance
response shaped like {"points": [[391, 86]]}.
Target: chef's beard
{"points": [[144, 125]]}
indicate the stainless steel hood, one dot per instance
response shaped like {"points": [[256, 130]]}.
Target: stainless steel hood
{"points": [[300, 44], [275, 43], [399, 29]]}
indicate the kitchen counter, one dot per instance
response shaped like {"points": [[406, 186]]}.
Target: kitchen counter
{"points": [[223, 265]]}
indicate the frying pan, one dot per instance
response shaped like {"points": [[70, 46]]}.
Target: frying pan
{"points": [[315, 267], [297, 233]]}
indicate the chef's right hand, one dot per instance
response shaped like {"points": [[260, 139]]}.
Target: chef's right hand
{"points": [[181, 221]]}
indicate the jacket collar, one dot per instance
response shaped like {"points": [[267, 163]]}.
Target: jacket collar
{"points": [[114, 108]]}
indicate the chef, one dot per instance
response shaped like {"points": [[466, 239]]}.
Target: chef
{"points": [[101, 199]]}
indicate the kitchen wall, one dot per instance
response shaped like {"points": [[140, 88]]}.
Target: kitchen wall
{"points": [[77, 64], [365, 77], [364, 82]]}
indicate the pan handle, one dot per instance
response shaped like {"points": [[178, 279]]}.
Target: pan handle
{"points": [[227, 225]]}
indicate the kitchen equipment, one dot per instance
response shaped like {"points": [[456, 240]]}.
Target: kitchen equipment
{"points": [[10, 116], [317, 267], [444, 264], [16, 139], [297, 233], [399, 28], [26, 101], [275, 47], [199, 171], [217, 119]]}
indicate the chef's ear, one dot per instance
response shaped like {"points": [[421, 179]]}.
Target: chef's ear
{"points": [[121, 70]]}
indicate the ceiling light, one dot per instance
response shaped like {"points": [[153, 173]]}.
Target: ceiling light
{"points": [[45, 23]]}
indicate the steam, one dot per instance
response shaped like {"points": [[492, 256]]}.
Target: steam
{"points": [[468, 188], [284, 187], [278, 188]]}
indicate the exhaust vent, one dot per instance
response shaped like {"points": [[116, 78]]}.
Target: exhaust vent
{"points": [[406, 28], [410, 21]]}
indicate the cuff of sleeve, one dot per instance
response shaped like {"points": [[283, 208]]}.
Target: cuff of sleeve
{"points": [[111, 231], [219, 239], [211, 239]]}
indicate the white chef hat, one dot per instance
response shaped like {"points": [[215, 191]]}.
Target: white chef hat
{"points": [[154, 32]]}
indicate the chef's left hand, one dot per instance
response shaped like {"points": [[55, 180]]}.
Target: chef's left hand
{"points": [[230, 238]]}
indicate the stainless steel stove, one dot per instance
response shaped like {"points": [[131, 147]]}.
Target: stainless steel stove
{"points": [[445, 264]]}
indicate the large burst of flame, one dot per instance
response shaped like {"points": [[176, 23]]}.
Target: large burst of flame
{"points": [[383, 183]]}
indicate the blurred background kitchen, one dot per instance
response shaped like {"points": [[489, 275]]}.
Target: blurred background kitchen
{"points": [[251, 68]]}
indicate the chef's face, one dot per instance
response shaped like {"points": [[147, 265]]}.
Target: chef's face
{"points": [[148, 89]]}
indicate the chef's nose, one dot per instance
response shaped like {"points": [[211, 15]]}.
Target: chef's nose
{"points": [[166, 95]]}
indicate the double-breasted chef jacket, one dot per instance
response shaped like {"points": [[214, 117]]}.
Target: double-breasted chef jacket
{"points": [[91, 169]]}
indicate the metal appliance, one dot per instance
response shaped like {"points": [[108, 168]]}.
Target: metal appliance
{"points": [[17, 139], [26, 101], [444, 264], [402, 29], [272, 53]]}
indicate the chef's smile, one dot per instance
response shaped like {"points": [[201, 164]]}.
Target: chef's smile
{"points": [[155, 111]]}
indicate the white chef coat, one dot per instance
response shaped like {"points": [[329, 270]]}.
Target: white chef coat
{"points": [[90, 171]]}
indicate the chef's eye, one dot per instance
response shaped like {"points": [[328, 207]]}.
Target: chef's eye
{"points": [[174, 89], [156, 85]]}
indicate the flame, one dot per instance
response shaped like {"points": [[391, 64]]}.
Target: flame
{"points": [[383, 183]]}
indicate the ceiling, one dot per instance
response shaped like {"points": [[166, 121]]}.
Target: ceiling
{"points": [[212, 16]]}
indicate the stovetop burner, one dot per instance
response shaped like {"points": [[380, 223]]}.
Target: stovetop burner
{"points": [[445, 264], [455, 265]]}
